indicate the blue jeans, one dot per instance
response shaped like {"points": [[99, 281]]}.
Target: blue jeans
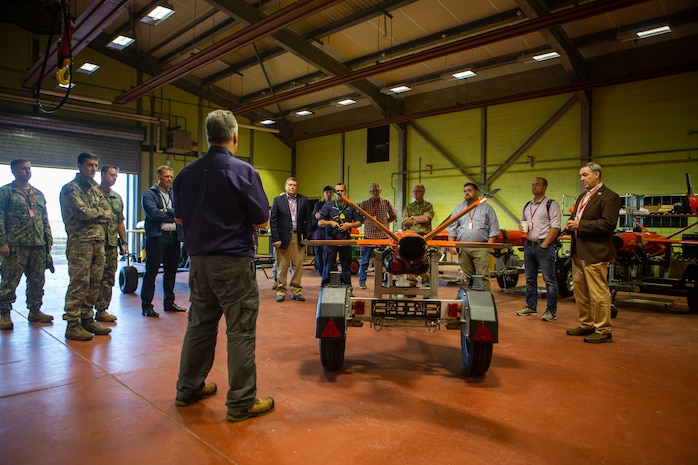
{"points": [[366, 254], [535, 258]]}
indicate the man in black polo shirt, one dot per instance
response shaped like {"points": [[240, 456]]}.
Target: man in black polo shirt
{"points": [[338, 218]]}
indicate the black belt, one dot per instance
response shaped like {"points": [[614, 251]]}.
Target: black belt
{"points": [[533, 242], [169, 233]]}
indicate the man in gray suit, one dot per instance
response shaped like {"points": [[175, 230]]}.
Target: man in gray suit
{"points": [[591, 227]]}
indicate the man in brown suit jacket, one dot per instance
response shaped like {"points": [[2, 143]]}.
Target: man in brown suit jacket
{"points": [[591, 226]]}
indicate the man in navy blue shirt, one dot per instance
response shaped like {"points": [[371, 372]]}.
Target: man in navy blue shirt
{"points": [[219, 202], [338, 218]]}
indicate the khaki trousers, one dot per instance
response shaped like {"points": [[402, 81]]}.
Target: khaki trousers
{"points": [[592, 294], [292, 256], [476, 261]]}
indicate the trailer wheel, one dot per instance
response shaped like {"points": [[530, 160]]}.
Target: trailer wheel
{"points": [[354, 267], [503, 266], [565, 280], [128, 279], [476, 355], [332, 353]]}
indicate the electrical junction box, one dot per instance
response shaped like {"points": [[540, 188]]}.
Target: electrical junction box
{"points": [[178, 141]]}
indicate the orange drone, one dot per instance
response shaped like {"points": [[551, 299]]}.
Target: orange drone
{"points": [[409, 249]]}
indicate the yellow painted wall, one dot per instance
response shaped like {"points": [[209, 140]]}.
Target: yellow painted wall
{"points": [[627, 120], [272, 159], [323, 168]]}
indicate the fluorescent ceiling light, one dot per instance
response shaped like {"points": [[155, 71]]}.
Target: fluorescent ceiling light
{"points": [[158, 14], [346, 101], [120, 43], [546, 56], [463, 74], [267, 122], [653, 32], [304, 113], [88, 68], [400, 89]]}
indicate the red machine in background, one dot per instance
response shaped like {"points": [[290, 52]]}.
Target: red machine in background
{"points": [[651, 263], [692, 199]]}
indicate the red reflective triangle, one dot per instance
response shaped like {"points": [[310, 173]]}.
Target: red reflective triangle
{"points": [[331, 330], [483, 334]]}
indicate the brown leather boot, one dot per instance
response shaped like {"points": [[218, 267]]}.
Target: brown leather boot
{"points": [[6, 321], [92, 326], [103, 315], [37, 316], [76, 332]]}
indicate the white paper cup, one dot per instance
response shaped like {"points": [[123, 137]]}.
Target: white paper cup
{"points": [[524, 226]]}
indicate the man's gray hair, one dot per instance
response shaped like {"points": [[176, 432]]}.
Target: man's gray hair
{"points": [[594, 167], [221, 127]]}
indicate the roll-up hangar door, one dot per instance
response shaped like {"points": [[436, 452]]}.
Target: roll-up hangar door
{"points": [[57, 143]]}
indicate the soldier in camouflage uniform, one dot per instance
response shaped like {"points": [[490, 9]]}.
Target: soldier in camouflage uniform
{"points": [[115, 242], [85, 212], [25, 240], [417, 215]]}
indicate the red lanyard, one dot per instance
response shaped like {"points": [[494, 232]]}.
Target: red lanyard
{"points": [[292, 207], [583, 203], [532, 211], [30, 200]]}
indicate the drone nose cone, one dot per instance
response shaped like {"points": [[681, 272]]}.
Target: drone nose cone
{"points": [[412, 248]]}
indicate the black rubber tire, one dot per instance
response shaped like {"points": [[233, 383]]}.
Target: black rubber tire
{"points": [[565, 281], [355, 266], [332, 353], [507, 281], [614, 311], [128, 279], [477, 356], [503, 263]]}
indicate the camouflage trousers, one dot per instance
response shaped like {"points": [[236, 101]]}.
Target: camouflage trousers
{"points": [[111, 261], [85, 267], [30, 261]]}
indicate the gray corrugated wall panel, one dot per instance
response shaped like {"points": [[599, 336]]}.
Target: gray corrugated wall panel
{"points": [[57, 143]]}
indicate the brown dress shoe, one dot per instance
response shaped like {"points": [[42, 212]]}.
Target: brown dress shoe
{"points": [[598, 338], [580, 331]]}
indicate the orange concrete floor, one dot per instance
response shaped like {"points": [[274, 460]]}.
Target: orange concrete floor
{"points": [[402, 396]]}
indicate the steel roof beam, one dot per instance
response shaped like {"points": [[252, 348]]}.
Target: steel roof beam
{"points": [[262, 28], [525, 27]]}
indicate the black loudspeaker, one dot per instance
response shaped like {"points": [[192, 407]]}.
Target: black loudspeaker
{"points": [[378, 144]]}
